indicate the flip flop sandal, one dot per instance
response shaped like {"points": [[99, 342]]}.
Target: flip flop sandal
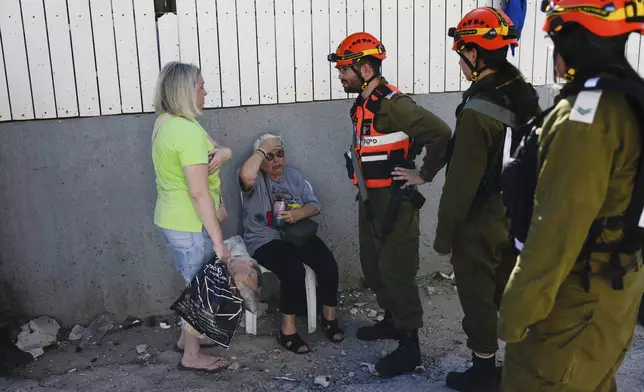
{"points": [[331, 328], [177, 349], [292, 342], [182, 367]]}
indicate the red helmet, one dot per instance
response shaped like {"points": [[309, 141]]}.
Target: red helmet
{"points": [[355, 47], [487, 27], [602, 18]]}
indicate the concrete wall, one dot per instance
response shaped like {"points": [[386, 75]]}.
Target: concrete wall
{"points": [[77, 199]]}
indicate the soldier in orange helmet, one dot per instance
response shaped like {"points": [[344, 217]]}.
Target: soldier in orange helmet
{"points": [[389, 130], [472, 226]]}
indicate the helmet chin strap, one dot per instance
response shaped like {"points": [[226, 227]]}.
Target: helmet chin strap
{"points": [[570, 71], [364, 83], [476, 72]]}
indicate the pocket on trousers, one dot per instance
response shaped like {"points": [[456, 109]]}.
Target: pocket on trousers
{"points": [[181, 240]]}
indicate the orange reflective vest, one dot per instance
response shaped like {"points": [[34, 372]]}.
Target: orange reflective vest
{"points": [[378, 153]]}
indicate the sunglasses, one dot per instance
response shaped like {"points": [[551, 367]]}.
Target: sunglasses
{"points": [[270, 156]]}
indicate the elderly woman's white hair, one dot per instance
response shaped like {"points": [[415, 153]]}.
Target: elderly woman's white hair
{"points": [[264, 137], [176, 90]]}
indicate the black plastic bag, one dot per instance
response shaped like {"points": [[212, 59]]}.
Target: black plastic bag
{"points": [[211, 304]]}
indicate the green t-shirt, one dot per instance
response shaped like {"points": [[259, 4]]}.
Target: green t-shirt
{"points": [[180, 142]]}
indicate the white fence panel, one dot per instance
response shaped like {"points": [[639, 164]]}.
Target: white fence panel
{"points": [[15, 57], [168, 39], [33, 16], [540, 63], [127, 56], [406, 45], [338, 26], [321, 48], [228, 53], [421, 46], [528, 36], [633, 50], [106, 66], [303, 50], [247, 37], [284, 33], [188, 38], [148, 52], [355, 16], [209, 51], [389, 31], [5, 107], [66, 58], [84, 61], [62, 63], [437, 46], [452, 69], [372, 19], [266, 51]]}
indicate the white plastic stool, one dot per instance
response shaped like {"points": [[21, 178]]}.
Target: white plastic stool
{"points": [[310, 281]]}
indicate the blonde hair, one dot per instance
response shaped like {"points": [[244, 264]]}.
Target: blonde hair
{"points": [[176, 90], [263, 137]]}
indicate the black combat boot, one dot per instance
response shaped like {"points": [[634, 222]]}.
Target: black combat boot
{"points": [[404, 359], [483, 376], [381, 330]]}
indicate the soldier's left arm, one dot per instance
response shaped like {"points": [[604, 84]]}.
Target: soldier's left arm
{"points": [[401, 113], [575, 165]]}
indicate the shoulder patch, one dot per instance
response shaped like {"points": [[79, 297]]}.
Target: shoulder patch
{"points": [[585, 106], [391, 94]]}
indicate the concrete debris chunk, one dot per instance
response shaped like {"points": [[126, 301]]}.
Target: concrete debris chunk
{"points": [[36, 335], [324, 381], [380, 317], [285, 379], [234, 366], [371, 368], [430, 290], [76, 332], [372, 314], [45, 325], [353, 311], [141, 348], [164, 326]]}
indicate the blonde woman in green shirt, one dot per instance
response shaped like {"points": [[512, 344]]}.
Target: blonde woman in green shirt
{"points": [[188, 208]]}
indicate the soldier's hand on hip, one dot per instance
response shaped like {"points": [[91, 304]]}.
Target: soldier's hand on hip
{"points": [[411, 176]]}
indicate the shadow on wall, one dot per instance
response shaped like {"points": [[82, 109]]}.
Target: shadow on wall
{"points": [[78, 198]]}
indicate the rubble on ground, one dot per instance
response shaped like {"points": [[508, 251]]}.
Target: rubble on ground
{"points": [[38, 334]]}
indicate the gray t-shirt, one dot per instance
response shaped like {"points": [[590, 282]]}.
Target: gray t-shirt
{"points": [[256, 207]]}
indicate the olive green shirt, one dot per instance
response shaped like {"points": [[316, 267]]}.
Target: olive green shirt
{"points": [[588, 158], [477, 148], [401, 113]]}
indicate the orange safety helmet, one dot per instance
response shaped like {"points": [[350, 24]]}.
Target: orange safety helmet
{"points": [[615, 18], [487, 27], [355, 47]]}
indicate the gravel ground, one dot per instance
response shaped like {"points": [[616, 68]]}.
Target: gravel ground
{"points": [[115, 365]]}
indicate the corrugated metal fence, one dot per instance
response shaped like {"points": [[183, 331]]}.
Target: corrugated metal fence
{"points": [[68, 58]]}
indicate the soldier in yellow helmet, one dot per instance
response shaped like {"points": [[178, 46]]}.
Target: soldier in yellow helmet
{"points": [[575, 195]]}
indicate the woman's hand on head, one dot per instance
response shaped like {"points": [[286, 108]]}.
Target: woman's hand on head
{"points": [[271, 145]]}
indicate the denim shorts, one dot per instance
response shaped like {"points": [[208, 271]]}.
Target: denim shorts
{"points": [[189, 250]]}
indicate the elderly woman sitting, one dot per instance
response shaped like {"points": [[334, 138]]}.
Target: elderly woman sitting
{"points": [[265, 178]]}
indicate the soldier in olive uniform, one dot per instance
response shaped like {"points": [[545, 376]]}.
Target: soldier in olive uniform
{"points": [[389, 129], [569, 309], [472, 226]]}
